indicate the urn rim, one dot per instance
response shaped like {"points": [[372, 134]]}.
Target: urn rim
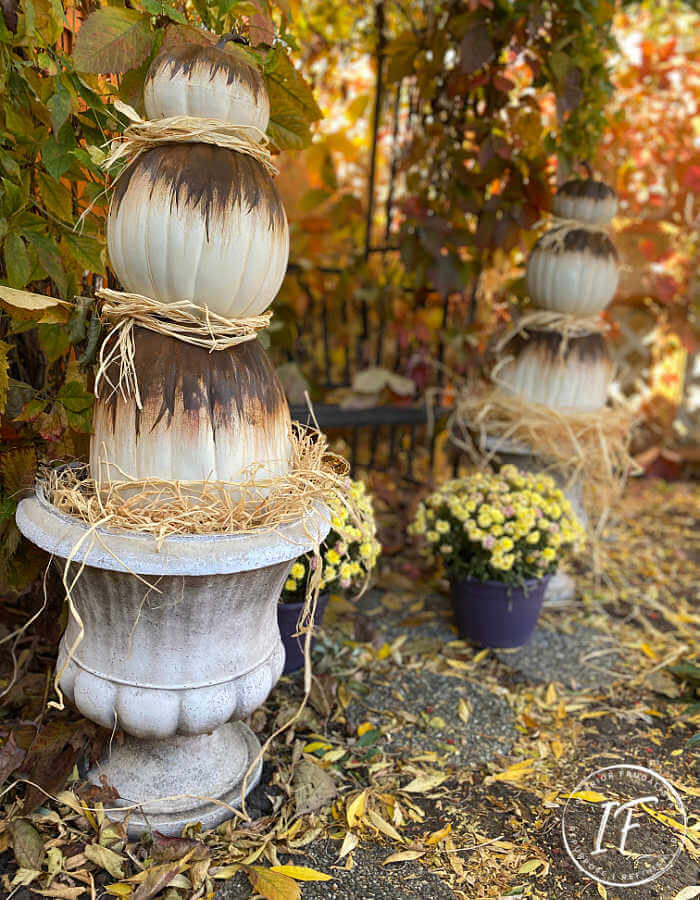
{"points": [[183, 554]]}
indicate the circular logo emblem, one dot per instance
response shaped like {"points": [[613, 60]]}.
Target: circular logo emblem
{"points": [[623, 826]]}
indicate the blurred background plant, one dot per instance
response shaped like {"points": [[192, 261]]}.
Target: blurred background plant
{"points": [[423, 152]]}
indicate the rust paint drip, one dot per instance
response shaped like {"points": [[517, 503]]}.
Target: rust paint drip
{"points": [[214, 60], [213, 180], [229, 386]]}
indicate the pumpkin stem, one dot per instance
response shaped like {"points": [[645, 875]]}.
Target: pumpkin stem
{"points": [[586, 165], [235, 36]]}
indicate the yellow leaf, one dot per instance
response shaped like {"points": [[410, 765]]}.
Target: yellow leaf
{"points": [[516, 772], [530, 866], [343, 696], [587, 796], [403, 856], [688, 893], [105, 859], [334, 755], [27, 305], [382, 825], [464, 709], [273, 885], [482, 654], [119, 890], [423, 783], [557, 748], [437, 836], [350, 841], [601, 890], [550, 698], [384, 651], [458, 664], [223, 873], [301, 873], [647, 651], [355, 810], [317, 745], [363, 728]]}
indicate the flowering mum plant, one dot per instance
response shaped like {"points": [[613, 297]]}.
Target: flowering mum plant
{"points": [[348, 554], [507, 527]]}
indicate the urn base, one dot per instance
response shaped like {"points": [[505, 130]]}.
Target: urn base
{"points": [[165, 784]]}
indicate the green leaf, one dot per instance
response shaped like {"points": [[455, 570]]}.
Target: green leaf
{"points": [[292, 104], [87, 251], [56, 153], [112, 39], [54, 341], [156, 8], [59, 105], [49, 257], [17, 261], [56, 197], [77, 402]]}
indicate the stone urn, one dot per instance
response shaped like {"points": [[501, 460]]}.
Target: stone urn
{"points": [[175, 644]]}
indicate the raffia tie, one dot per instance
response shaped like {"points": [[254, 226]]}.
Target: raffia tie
{"points": [[182, 320], [566, 325], [141, 135]]}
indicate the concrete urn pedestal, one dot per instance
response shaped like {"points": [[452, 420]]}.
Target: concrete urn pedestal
{"points": [[562, 587], [180, 643]]}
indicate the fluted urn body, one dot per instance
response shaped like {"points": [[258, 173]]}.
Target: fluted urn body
{"points": [[174, 643]]}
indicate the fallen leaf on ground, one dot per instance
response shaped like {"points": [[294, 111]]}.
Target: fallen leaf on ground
{"points": [[301, 873], [403, 856], [423, 783]]}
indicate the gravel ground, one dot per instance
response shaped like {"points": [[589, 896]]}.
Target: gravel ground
{"points": [[553, 655], [421, 712], [367, 880]]}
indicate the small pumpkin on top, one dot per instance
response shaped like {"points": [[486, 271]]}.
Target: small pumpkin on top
{"points": [[208, 82], [585, 200]]}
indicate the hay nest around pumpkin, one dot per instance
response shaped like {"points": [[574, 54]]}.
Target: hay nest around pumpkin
{"points": [[163, 508], [589, 446]]}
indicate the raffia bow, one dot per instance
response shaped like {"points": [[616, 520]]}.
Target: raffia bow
{"points": [[141, 135], [182, 320]]}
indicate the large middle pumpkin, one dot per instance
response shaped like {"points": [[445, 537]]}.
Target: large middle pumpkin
{"points": [[205, 416], [200, 223]]}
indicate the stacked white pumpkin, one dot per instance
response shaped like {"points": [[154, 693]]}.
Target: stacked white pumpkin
{"points": [[204, 224], [572, 270]]}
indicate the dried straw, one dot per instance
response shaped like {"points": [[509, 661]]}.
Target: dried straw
{"points": [[592, 447], [162, 508], [566, 325], [142, 135], [182, 320]]}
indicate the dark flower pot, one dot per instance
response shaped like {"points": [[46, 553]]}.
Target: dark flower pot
{"points": [[494, 614], [287, 618]]}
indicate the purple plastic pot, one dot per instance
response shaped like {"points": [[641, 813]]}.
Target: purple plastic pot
{"points": [[287, 618], [494, 614]]}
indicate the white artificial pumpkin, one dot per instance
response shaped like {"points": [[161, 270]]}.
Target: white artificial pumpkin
{"points": [[573, 269], [585, 200], [205, 416], [206, 82], [539, 373], [200, 223]]}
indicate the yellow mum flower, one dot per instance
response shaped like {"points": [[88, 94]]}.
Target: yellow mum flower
{"points": [[505, 544], [290, 585], [533, 537], [332, 556], [298, 570], [442, 527], [432, 536], [549, 554]]}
